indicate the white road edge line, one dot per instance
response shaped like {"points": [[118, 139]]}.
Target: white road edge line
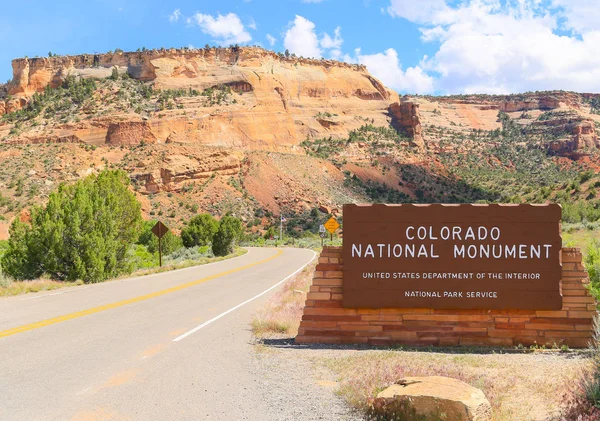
{"points": [[214, 319]]}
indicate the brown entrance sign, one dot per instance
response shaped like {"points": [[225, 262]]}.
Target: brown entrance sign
{"points": [[452, 256]]}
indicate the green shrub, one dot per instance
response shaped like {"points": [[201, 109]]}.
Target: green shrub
{"points": [[199, 231], [170, 242], [592, 265], [84, 232], [229, 233]]}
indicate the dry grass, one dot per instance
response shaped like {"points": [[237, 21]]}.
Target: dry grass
{"points": [[186, 264], [282, 313], [9, 287], [520, 387], [23, 287]]}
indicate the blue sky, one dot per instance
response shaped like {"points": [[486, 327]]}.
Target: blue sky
{"points": [[426, 46]]}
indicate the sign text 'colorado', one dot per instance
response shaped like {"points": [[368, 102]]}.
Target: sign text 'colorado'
{"points": [[452, 256]]}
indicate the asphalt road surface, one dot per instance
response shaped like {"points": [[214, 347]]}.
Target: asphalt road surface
{"points": [[170, 346]]}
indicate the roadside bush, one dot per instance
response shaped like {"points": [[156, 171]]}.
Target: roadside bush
{"points": [[170, 242], [592, 266], [199, 231], [84, 232], [185, 254], [229, 233]]}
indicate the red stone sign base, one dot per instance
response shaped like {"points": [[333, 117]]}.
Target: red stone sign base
{"points": [[326, 321]]}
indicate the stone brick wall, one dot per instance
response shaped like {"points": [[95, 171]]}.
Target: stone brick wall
{"points": [[326, 321]]}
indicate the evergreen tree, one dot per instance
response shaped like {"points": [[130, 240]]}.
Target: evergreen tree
{"points": [[170, 242], [229, 233], [199, 231], [83, 232]]}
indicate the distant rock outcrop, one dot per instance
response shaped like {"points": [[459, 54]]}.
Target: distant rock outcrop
{"points": [[407, 120]]}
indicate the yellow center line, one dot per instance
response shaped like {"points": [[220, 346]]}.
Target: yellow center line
{"points": [[122, 303]]}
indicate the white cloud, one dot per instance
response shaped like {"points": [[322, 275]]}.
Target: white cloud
{"points": [[387, 68], [271, 39], [252, 24], [301, 38], [174, 17], [227, 29], [580, 15], [487, 46], [335, 42], [312, 1]]}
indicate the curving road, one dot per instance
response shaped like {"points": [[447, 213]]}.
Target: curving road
{"points": [[170, 346]]}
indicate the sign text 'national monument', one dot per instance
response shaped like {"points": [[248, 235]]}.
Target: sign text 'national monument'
{"points": [[452, 256]]}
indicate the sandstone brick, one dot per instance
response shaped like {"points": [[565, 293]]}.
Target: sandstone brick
{"points": [[591, 307], [574, 274], [331, 318], [573, 292], [585, 300], [562, 321], [328, 267], [501, 319], [323, 259], [360, 328], [510, 326], [332, 333], [571, 257], [330, 311], [465, 312], [548, 326], [384, 323], [381, 318], [542, 313], [575, 334], [318, 296], [335, 290], [587, 328], [319, 324], [314, 288], [334, 274], [447, 317], [317, 274], [507, 333], [519, 319], [582, 314], [404, 328], [449, 341], [328, 282], [338, 297], [403, 335], [334, 260], [328, 303]]}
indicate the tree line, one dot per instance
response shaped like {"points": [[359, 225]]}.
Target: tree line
{"points": [[88, 230]]}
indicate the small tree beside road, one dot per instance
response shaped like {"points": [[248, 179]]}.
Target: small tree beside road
{"points": [[229, 233], [83, 232]]}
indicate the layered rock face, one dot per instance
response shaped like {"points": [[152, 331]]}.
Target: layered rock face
{"points": [[276, 98], [172, 172]]}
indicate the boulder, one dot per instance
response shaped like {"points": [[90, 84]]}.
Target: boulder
{"points": [[433, 398]]}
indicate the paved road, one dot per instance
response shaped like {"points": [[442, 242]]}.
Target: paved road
{"points": [[115, 354]]}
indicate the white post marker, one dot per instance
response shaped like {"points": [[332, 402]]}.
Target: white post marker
{"points": [[225, 313]]}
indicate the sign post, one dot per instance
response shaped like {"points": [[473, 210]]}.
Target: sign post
{"points": [[322, 233], [160, 230], [331, 225]]}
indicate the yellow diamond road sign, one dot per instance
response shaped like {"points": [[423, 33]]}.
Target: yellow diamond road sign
{"points": [[332, 225]]}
